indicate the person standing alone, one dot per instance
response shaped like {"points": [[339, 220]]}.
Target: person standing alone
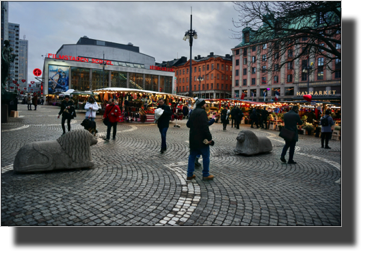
{"points": [[164, 123], [291, 119], [199, 132], [326, 129], [67, 109], [224, 117], [112, 112]]}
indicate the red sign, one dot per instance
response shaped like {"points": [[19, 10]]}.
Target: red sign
{"points": [[23, 80], [161, 69], [37, 72], [32, 82], [79, 59]]}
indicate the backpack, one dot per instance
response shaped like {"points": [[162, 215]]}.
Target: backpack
{"points": [[324, 122]]}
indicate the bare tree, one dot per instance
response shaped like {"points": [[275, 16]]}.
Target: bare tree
{"points": [[293, 30]]}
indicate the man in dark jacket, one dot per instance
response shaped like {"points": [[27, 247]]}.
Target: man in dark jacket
{"points": [[254, 118], [199, 131], [264, 114], [67, 109], [291, 119], [233, 116], [164, 122]]}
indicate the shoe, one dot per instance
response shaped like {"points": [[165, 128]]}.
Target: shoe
{"points": [[192, 177], [106, 140], [322, 146], [162, 151], [63, 134], [210, 177], [283, 160], [197, 164], [327, 147], [292, 162], [114, 138]]}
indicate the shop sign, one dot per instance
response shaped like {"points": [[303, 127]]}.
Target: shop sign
{"points": [[161, 68], [325, 92], [79, 59]]}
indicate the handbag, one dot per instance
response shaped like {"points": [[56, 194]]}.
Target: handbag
{"points": [[286, 134]]}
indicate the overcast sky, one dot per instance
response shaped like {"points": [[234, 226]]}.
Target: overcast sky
{"points": [[157, 28]]}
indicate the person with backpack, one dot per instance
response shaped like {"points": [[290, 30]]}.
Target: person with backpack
{"points": [[326, 123]]}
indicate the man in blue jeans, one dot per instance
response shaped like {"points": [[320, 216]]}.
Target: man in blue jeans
{"points": [[164, 122], [199, 131]]}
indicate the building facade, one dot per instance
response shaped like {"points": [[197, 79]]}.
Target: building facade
{"points": [[94, 64], [211, 77], [254, 73], [4, 22], [13, 37], [23, 63]]}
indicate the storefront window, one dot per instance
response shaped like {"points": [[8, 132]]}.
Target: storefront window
{"points": [[289, 91], [118, 79], [80, 79], [99, 79], [136, 80]]}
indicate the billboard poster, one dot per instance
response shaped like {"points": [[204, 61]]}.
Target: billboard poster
{"points": [[58, 79]]}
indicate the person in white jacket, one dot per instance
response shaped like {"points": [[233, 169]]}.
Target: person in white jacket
{"points": [[91, 108]]}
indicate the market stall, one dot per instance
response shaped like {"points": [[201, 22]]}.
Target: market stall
{"points": [[139, 105]]}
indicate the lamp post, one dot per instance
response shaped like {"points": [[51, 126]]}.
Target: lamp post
{"points": [[190, 34], [199, 86], [104, 66], [308, 71]]}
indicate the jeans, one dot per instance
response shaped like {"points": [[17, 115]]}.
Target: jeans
{"points": [[28, 106], [163, 132], [205, 151], [111, 124], [291, 145], [92, 119], [325, 136], [63, 123]]}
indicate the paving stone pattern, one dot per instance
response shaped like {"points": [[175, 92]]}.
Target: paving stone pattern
{"points": [[132, 184]]}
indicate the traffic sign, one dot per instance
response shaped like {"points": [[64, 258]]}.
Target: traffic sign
{"points": [[37, 72]]}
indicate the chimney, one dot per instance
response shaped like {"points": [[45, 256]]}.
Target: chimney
{"points": [[211, 53], [198, 57]]}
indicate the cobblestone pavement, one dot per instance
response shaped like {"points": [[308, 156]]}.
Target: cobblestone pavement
{"points": [[133, 184]]}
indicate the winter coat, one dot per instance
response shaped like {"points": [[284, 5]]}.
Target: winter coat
{"points": [[199, 129], [327, 129], [264, 114], [164, 120], [29, 99], [35, 100], [112, 112], [292, 119], [92, 113], [68, 113], [224, 115]]}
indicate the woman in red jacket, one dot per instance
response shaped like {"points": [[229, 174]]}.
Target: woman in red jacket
{"points": [[112, 112]]}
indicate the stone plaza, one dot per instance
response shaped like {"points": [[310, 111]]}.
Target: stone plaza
{"points": [[133, 184]]}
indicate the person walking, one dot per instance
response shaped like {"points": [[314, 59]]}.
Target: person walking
{"points": [[264, 114], [185, 111], [198, 133], [291, 119], [112, 112], [91, 108], [238, 117], [326, 123], [224, 117], [67, 109], [233, 115], [164, 123], [254, 118], [29, 102]]}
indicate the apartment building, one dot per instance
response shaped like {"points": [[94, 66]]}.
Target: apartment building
{"points": [[211, 76]]}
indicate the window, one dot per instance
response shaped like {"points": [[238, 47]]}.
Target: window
{"points": [[245, 51], [263, 57], [338, 46], [222, 86], [263, 80], [320, 68], [338, 64], [207, 77], [194, 87], [253, 59], [226, 67], [218, 76], [253, 81], [263, 68], [226, 77], [237, 62], [195, 69], [183, 80], [187, 70], [244, 71], [264, 46], [245, 61], [207, 67], [223, 77], [246, 37], [304, 66], [276, 55], [244, 82], [217, 86], [237, 51], [276, 46], [275, 79], [203, 86], [211, 85], [305, 50], [304, 38], [183, 88], [183, 71], [195, 78], [236, 83], [276, 67], [253, 70], [289, 53], [289, 65], [212, 76], [323, 45], [199, 69], [289, 78], [253, 48], [236, 72], [212, 66], [203, 67]]}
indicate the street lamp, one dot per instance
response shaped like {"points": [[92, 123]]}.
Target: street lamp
{"points": [[308, 71], [103, 65], [190, 34]]}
